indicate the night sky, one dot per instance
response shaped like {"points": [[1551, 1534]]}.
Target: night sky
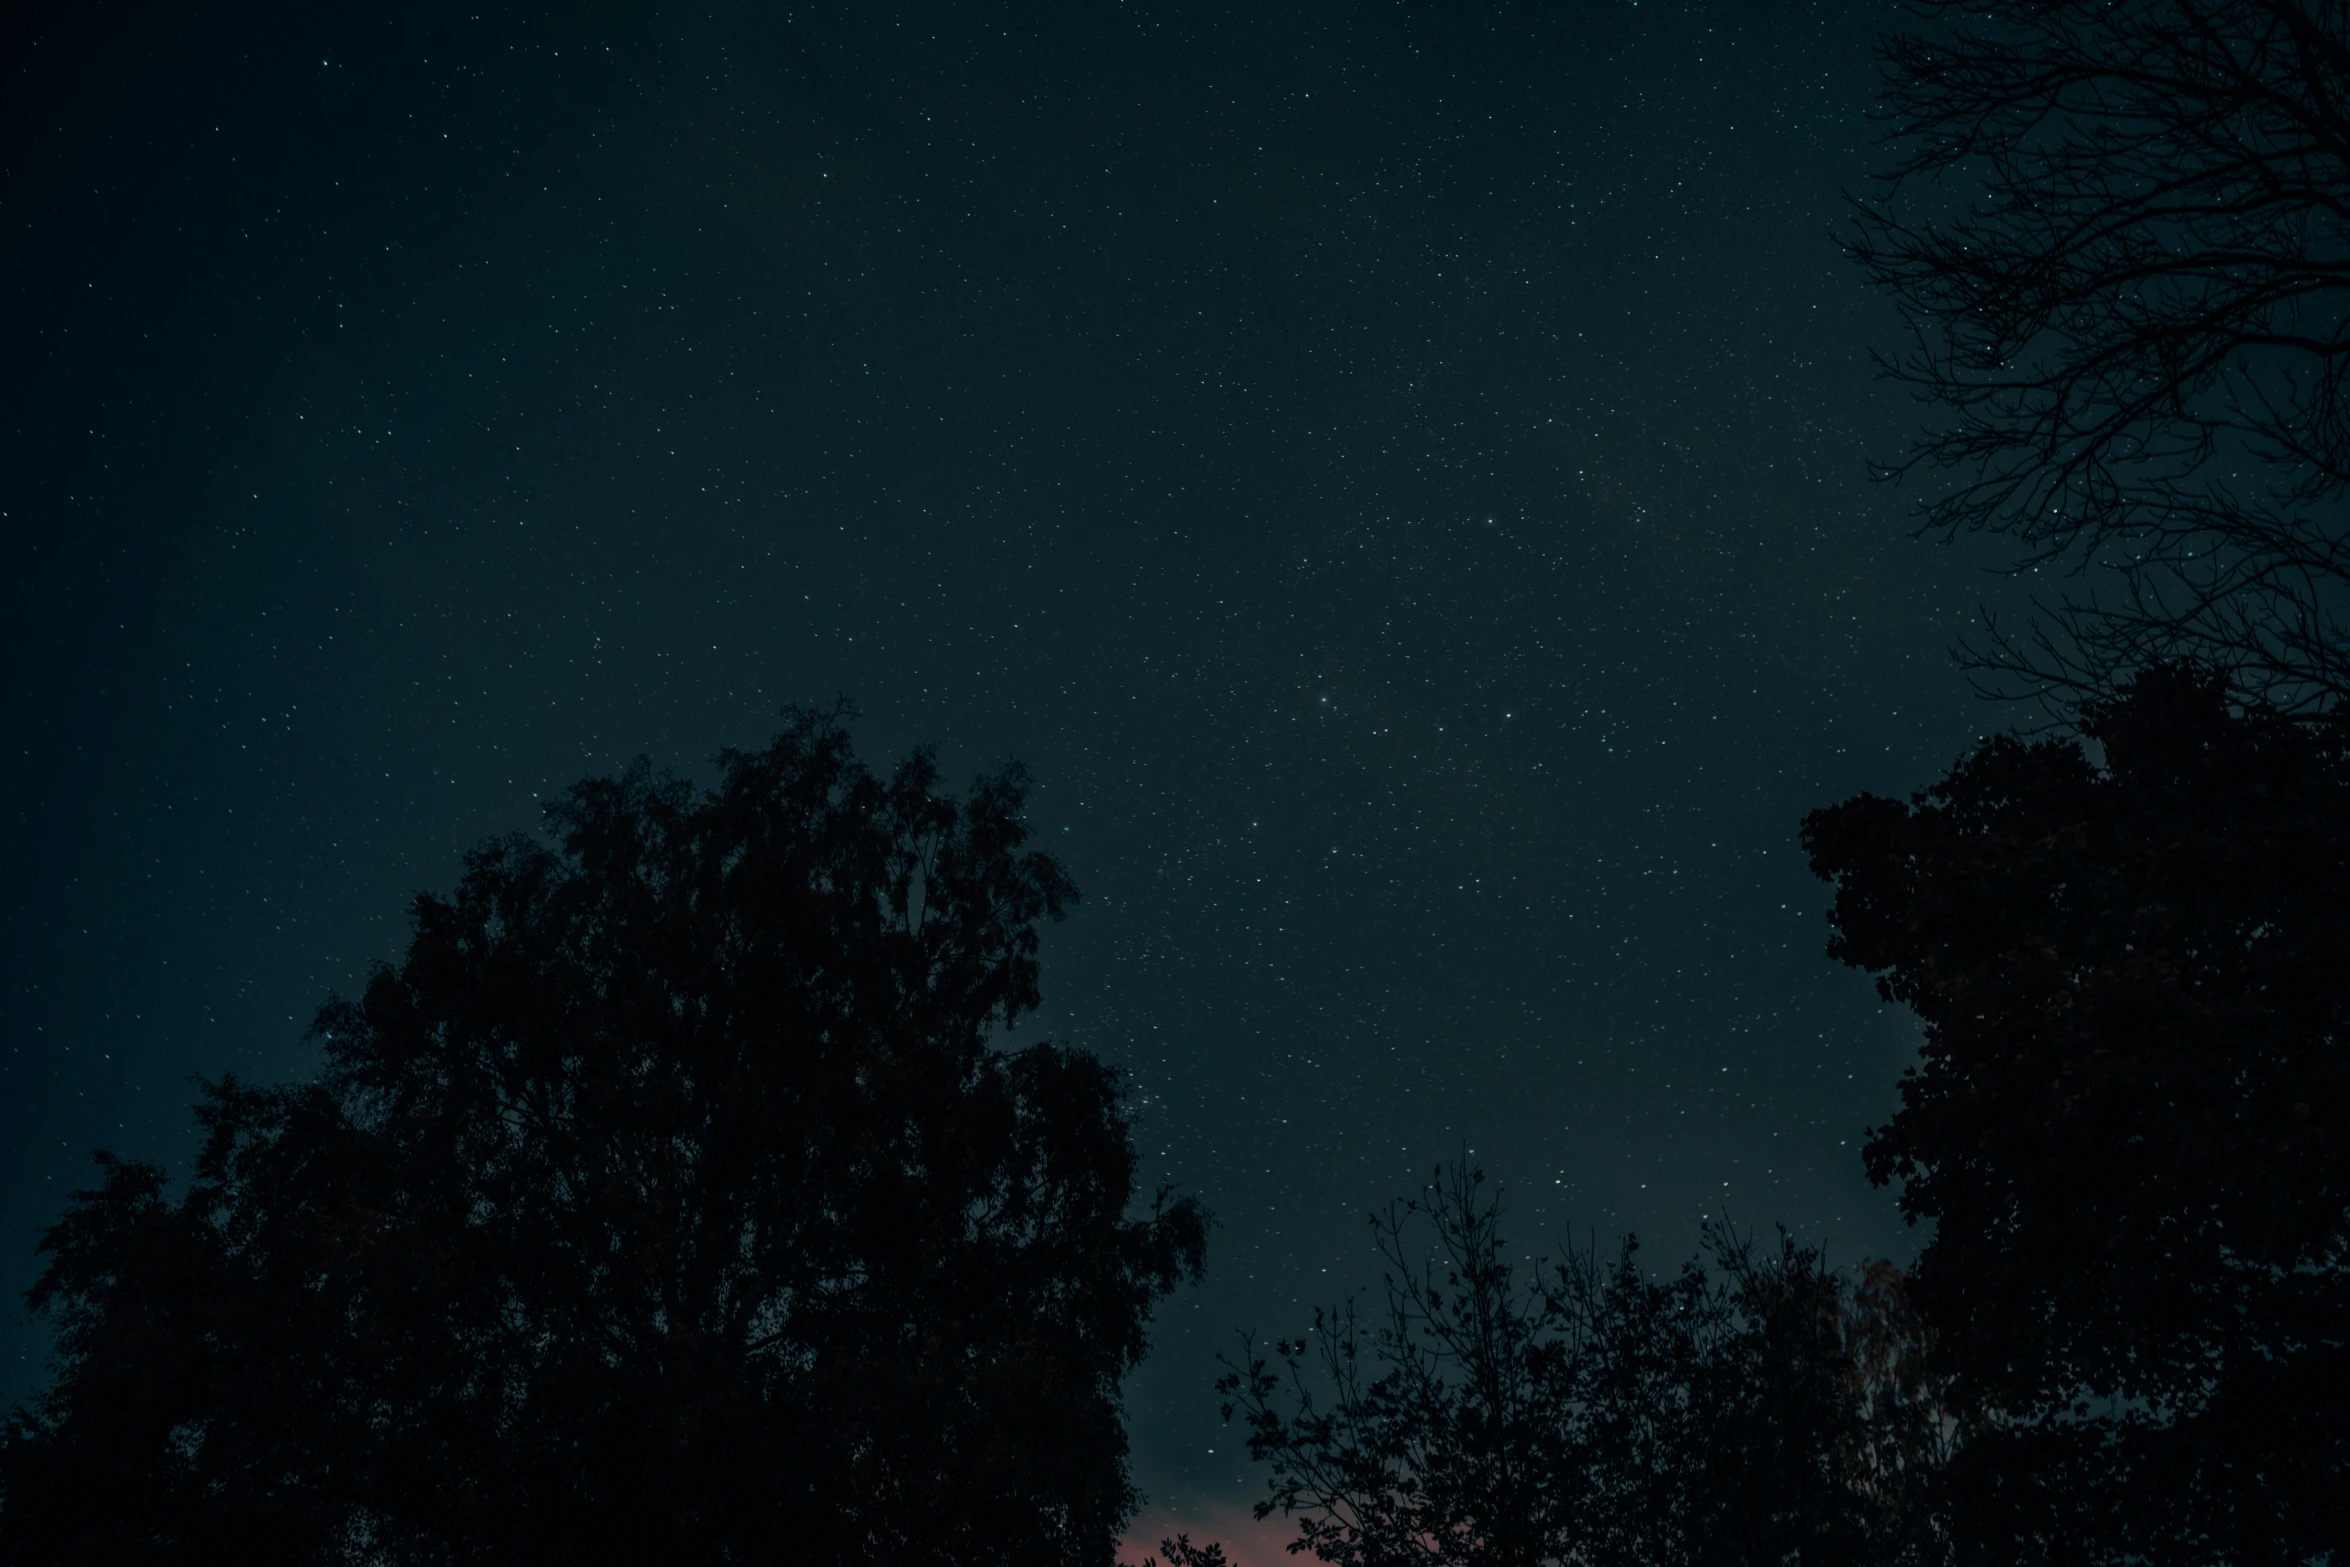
{"points": [[1396, 474]]}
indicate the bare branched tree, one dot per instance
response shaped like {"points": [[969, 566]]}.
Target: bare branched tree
{"points": [[2120, 232]]}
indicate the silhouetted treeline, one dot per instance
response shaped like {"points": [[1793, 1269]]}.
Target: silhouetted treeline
{"points": [[666, 1203], [670, 1200]]}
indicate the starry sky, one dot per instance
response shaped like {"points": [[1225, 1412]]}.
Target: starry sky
{"points": [[1396, 474]]}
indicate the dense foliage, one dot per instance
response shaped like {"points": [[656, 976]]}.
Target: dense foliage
{"points": [[2131, 1124], [668, 1201], [1765, 1410]]}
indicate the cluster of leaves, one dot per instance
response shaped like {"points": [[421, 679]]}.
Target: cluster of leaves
{"points": [[669, 1201], [2117, 229], [2128, 1123], [1764, 1410]]}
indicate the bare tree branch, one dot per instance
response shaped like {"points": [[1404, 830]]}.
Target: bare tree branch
{"points": [[2120, 235]]}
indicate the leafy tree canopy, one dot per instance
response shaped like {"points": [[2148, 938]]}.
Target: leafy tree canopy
{"points": [[668, 1201], [2129, 1123]]}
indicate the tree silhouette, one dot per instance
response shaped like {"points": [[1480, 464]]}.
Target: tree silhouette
{"points": [[667, 1202], [2128, 1123], [2118, 230], [1765, 1411], [1180, 1552]]}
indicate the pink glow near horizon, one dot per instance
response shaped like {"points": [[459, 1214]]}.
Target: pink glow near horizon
{"points": [[1247, 1543]]}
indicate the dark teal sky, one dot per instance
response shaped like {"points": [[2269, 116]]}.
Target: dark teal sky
{"points": [[1395, 473]]}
